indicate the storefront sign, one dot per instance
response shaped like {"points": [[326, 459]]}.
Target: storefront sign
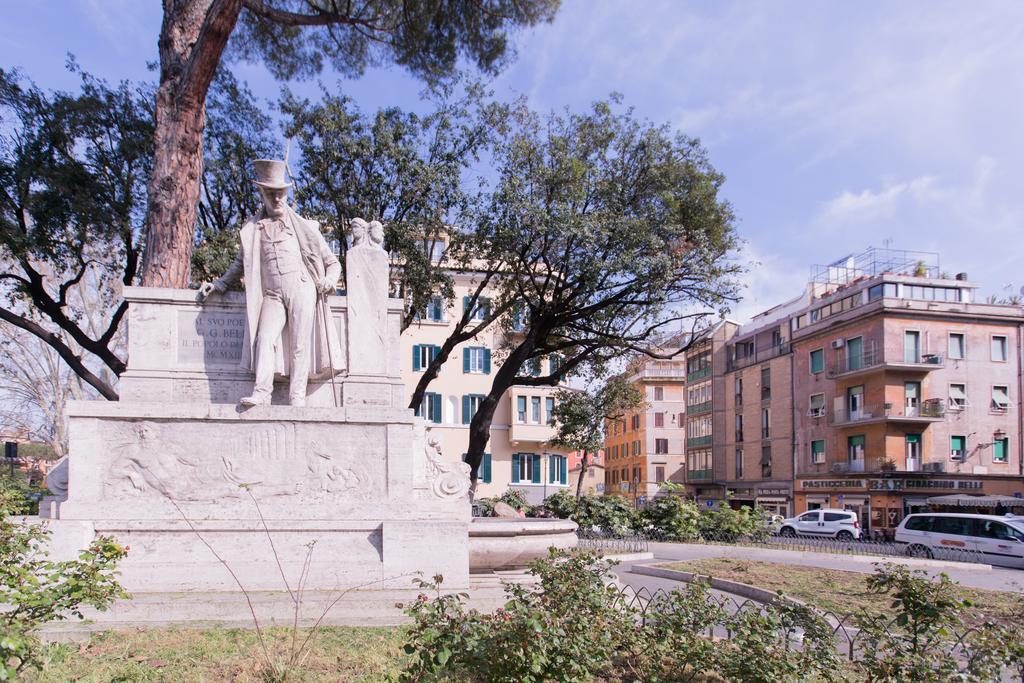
{"points": [[958, 484], [773, 492], [833, 483]]}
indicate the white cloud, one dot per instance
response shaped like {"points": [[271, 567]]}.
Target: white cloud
{"points": [[869, 204]]}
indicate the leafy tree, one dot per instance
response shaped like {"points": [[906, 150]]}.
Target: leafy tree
{"points": [[580, 417], [404, 169], [612, 232], [294, 38], [73, 168]]}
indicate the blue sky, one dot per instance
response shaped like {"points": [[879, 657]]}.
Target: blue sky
{"points": [[838, 125]]}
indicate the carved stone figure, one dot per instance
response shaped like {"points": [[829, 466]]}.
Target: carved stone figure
{"points": [[447, 480], [366, 286], [287, 269]]}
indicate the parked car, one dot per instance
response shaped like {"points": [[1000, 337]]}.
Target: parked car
{"points": [[994, 540], [839, 524]]}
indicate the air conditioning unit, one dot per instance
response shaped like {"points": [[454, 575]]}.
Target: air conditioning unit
{"points": [[838, 343], [933, 467], [816, 412], [840, 467]]}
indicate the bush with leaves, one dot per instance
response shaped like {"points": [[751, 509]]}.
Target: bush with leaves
{"points": [[671, 517], [567, 628], [35, 590], [512, 497], [916, 644], [608, 514], [728, 525]]}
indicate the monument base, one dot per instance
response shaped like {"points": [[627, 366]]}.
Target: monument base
{"points": [[211, 498]]}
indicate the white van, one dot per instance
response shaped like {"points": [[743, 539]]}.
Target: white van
{"points": [[839, 524], [984, 538]]}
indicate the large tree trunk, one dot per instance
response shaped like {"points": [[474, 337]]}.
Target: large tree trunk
{"points": [[192, 39], [584, 462]]}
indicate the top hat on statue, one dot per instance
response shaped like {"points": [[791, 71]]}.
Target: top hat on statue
{"points": [[270, 173]]}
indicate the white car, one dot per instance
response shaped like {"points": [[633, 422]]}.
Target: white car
{"points": [[839, 524], [988, 538]]}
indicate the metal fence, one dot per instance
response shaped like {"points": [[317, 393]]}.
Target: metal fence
{"points": [[848, 638], [630, 542]]}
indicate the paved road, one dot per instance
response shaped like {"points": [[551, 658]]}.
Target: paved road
{"points": [[996, 578]]}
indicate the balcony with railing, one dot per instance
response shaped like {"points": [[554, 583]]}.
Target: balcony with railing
{"points": [[700, 475], [665, 371], [758, 356], [875, 360], [699, 408], [699, 441], [930, 410], [875, 466], [699, 374]]}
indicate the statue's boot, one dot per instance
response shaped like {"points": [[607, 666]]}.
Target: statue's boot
{"points": [[258, 398]]}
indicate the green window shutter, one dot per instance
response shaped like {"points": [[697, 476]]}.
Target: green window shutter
{"points": [[487, 361], [552, 469], [435, 405], [416, 357], [465, 359], [536, 468], [563, 466], [434, 350], [466, 417], [485, 467], [999, 449], [817, 361], [465, 303], [515, 468]]}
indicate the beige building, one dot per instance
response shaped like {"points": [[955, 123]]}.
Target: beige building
{"points": [[646, 448], [517, 455]]}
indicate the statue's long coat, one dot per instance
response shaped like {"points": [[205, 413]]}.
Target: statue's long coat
{"points": [[320, 261]]}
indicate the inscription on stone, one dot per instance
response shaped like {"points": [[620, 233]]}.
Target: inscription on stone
{"points": [[210, 337]]}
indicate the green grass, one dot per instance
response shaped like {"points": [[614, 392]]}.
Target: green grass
{"points": [[339, 654], [841, 592]]}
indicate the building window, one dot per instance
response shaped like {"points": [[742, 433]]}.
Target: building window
{"points": [[957, 349], [430, 407], [483, 474], [435, 309], [766, 461], [659, 419], [481, 308], [659, 393], [1000, 450], [855, 452], [957, 396], [661, 446], [470, 404], [636, 447], [422, 355], [535, 410], [659, 474], [525, 468], [549, 406], [817, 361], [1000, 398], [766, 383], [739, 463], [766, 422], [636, 422], [739, 390], [557, 470], [957, 447], [817, 451], [476, 359], [911, 346], [521, 409], [998, 348], [817, 408], [739, 429]]}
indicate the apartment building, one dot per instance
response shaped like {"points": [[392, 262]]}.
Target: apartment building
{"points": [[758, 436], [706, 413], [518, 455], [646, 447], [904, 387]]}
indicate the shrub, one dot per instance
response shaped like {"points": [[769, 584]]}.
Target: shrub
{"points": [[727, 525], [609, 514], [512, 497], [672, 518], [36, 591]]}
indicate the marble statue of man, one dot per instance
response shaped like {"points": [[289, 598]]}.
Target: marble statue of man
{"points": [[288, 270], [366, 276]]}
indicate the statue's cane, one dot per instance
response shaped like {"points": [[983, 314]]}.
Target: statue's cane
{"points": [[330, 352]]}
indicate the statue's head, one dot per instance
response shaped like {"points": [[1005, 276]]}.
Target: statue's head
{"points": [[359, 229], [377, 233], [270, 178]]}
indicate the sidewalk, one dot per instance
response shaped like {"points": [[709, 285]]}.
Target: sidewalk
{"points": [[975, 576]]}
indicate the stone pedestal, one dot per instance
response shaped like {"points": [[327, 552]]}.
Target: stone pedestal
{"points": [[201, 489]]}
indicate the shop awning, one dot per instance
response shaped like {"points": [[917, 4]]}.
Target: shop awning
{"points": [[960, 500]]}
